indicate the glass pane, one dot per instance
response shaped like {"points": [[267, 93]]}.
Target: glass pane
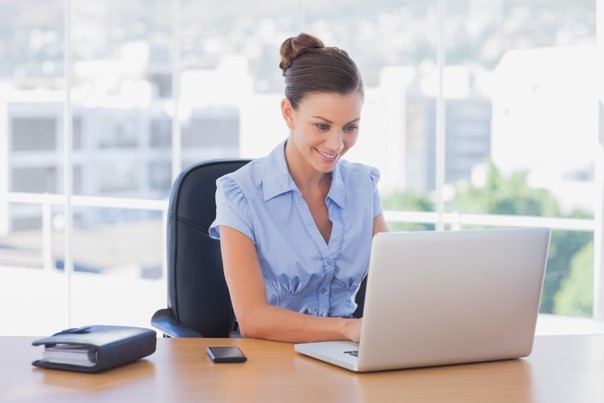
{"points": [[31, 120], [31, 95], [568, 282], [118, 242], [122, 94], [28, 257], [568, 286], [40, 310], [118, 255], [522, 121], [125, 301], [231, 85], [522, 112], [21, 246]]}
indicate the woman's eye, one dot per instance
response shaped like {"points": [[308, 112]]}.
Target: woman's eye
{"points": [[351, 128], [322, 126]]}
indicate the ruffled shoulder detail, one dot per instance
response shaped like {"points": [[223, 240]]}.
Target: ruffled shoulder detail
{"points": [[374, 175], [232, 208]]}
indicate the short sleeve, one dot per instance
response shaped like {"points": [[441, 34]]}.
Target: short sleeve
{"points": [[374, 175], [232, 209]]}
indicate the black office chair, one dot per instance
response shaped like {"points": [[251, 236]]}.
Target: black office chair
{"points": [[199, 304]]}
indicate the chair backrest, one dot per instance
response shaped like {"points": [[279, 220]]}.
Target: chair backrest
{"points": [[197, 292]]}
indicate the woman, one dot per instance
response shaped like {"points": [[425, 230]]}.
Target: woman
{"points": [[295, 227]]}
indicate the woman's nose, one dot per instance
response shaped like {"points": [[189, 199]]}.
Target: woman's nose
{"points": [[335, 141]]}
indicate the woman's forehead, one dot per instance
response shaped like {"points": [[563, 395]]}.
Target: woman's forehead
{"points": [[331, 103]]}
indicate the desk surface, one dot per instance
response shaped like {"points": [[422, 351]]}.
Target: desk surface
{"points": [[560, 369]]}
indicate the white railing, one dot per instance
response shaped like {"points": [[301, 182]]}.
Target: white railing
{"points": [[87, 201], [46, 201], [454, 220]]}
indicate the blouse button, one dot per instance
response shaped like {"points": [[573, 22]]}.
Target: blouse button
{"points": [[323, 290], [329, 261]]}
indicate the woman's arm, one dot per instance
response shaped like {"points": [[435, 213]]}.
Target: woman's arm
{"points": [[256, 317], [379, 224]]}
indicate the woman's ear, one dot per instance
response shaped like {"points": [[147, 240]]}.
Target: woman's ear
{"points": [[287, 111]]}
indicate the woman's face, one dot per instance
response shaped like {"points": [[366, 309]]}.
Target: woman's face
{"points": [[323, 127]]}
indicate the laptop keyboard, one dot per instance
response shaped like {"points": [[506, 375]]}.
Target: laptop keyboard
{"points": [[354, 353]]}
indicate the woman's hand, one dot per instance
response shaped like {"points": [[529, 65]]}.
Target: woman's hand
{"points": [[354, 331]]}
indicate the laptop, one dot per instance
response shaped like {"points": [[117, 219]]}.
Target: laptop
{"points": [[445, 297]]}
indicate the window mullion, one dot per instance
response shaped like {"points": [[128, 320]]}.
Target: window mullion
{"points": [[67, 156], [598, 286]]}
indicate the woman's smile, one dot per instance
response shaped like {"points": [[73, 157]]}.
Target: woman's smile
{"points": [[327, 157]]}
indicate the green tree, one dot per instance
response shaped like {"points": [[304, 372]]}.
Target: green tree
{"points": [[575, 297], [504, 195], [512, 196], [564, 245], [407, 202]]}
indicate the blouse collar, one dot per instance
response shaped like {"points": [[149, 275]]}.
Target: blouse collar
{"points": [[277, 179]]}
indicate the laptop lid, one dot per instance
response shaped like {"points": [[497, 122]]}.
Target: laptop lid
{"points": [[449, 297]]}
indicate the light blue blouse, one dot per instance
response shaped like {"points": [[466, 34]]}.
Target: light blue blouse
{"points": [[301, 271]]}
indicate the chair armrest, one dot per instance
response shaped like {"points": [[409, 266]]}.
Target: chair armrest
{"points": [[167, 323]]}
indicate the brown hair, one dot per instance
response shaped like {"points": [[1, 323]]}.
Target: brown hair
{"points": [[309, 66]]}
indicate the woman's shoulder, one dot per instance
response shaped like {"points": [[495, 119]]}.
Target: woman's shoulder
{"points": [[244, 179], [251, 176], [356, 171]]}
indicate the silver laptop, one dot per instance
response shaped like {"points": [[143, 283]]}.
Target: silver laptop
{"points": [[446, 297]]}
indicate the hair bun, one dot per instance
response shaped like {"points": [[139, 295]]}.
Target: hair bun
{"points": [[296, 46]]}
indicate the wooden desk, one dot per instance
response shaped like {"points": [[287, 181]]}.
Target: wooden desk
{"points": [[561, 369]]}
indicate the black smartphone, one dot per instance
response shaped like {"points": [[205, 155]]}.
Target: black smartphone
{"points": [[226, 354]]}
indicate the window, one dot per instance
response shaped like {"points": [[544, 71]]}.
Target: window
{"points": [[34, 179], [508, 137], [34, 134]]}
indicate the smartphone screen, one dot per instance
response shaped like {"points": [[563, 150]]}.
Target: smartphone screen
{"points": [[226, 354]]}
